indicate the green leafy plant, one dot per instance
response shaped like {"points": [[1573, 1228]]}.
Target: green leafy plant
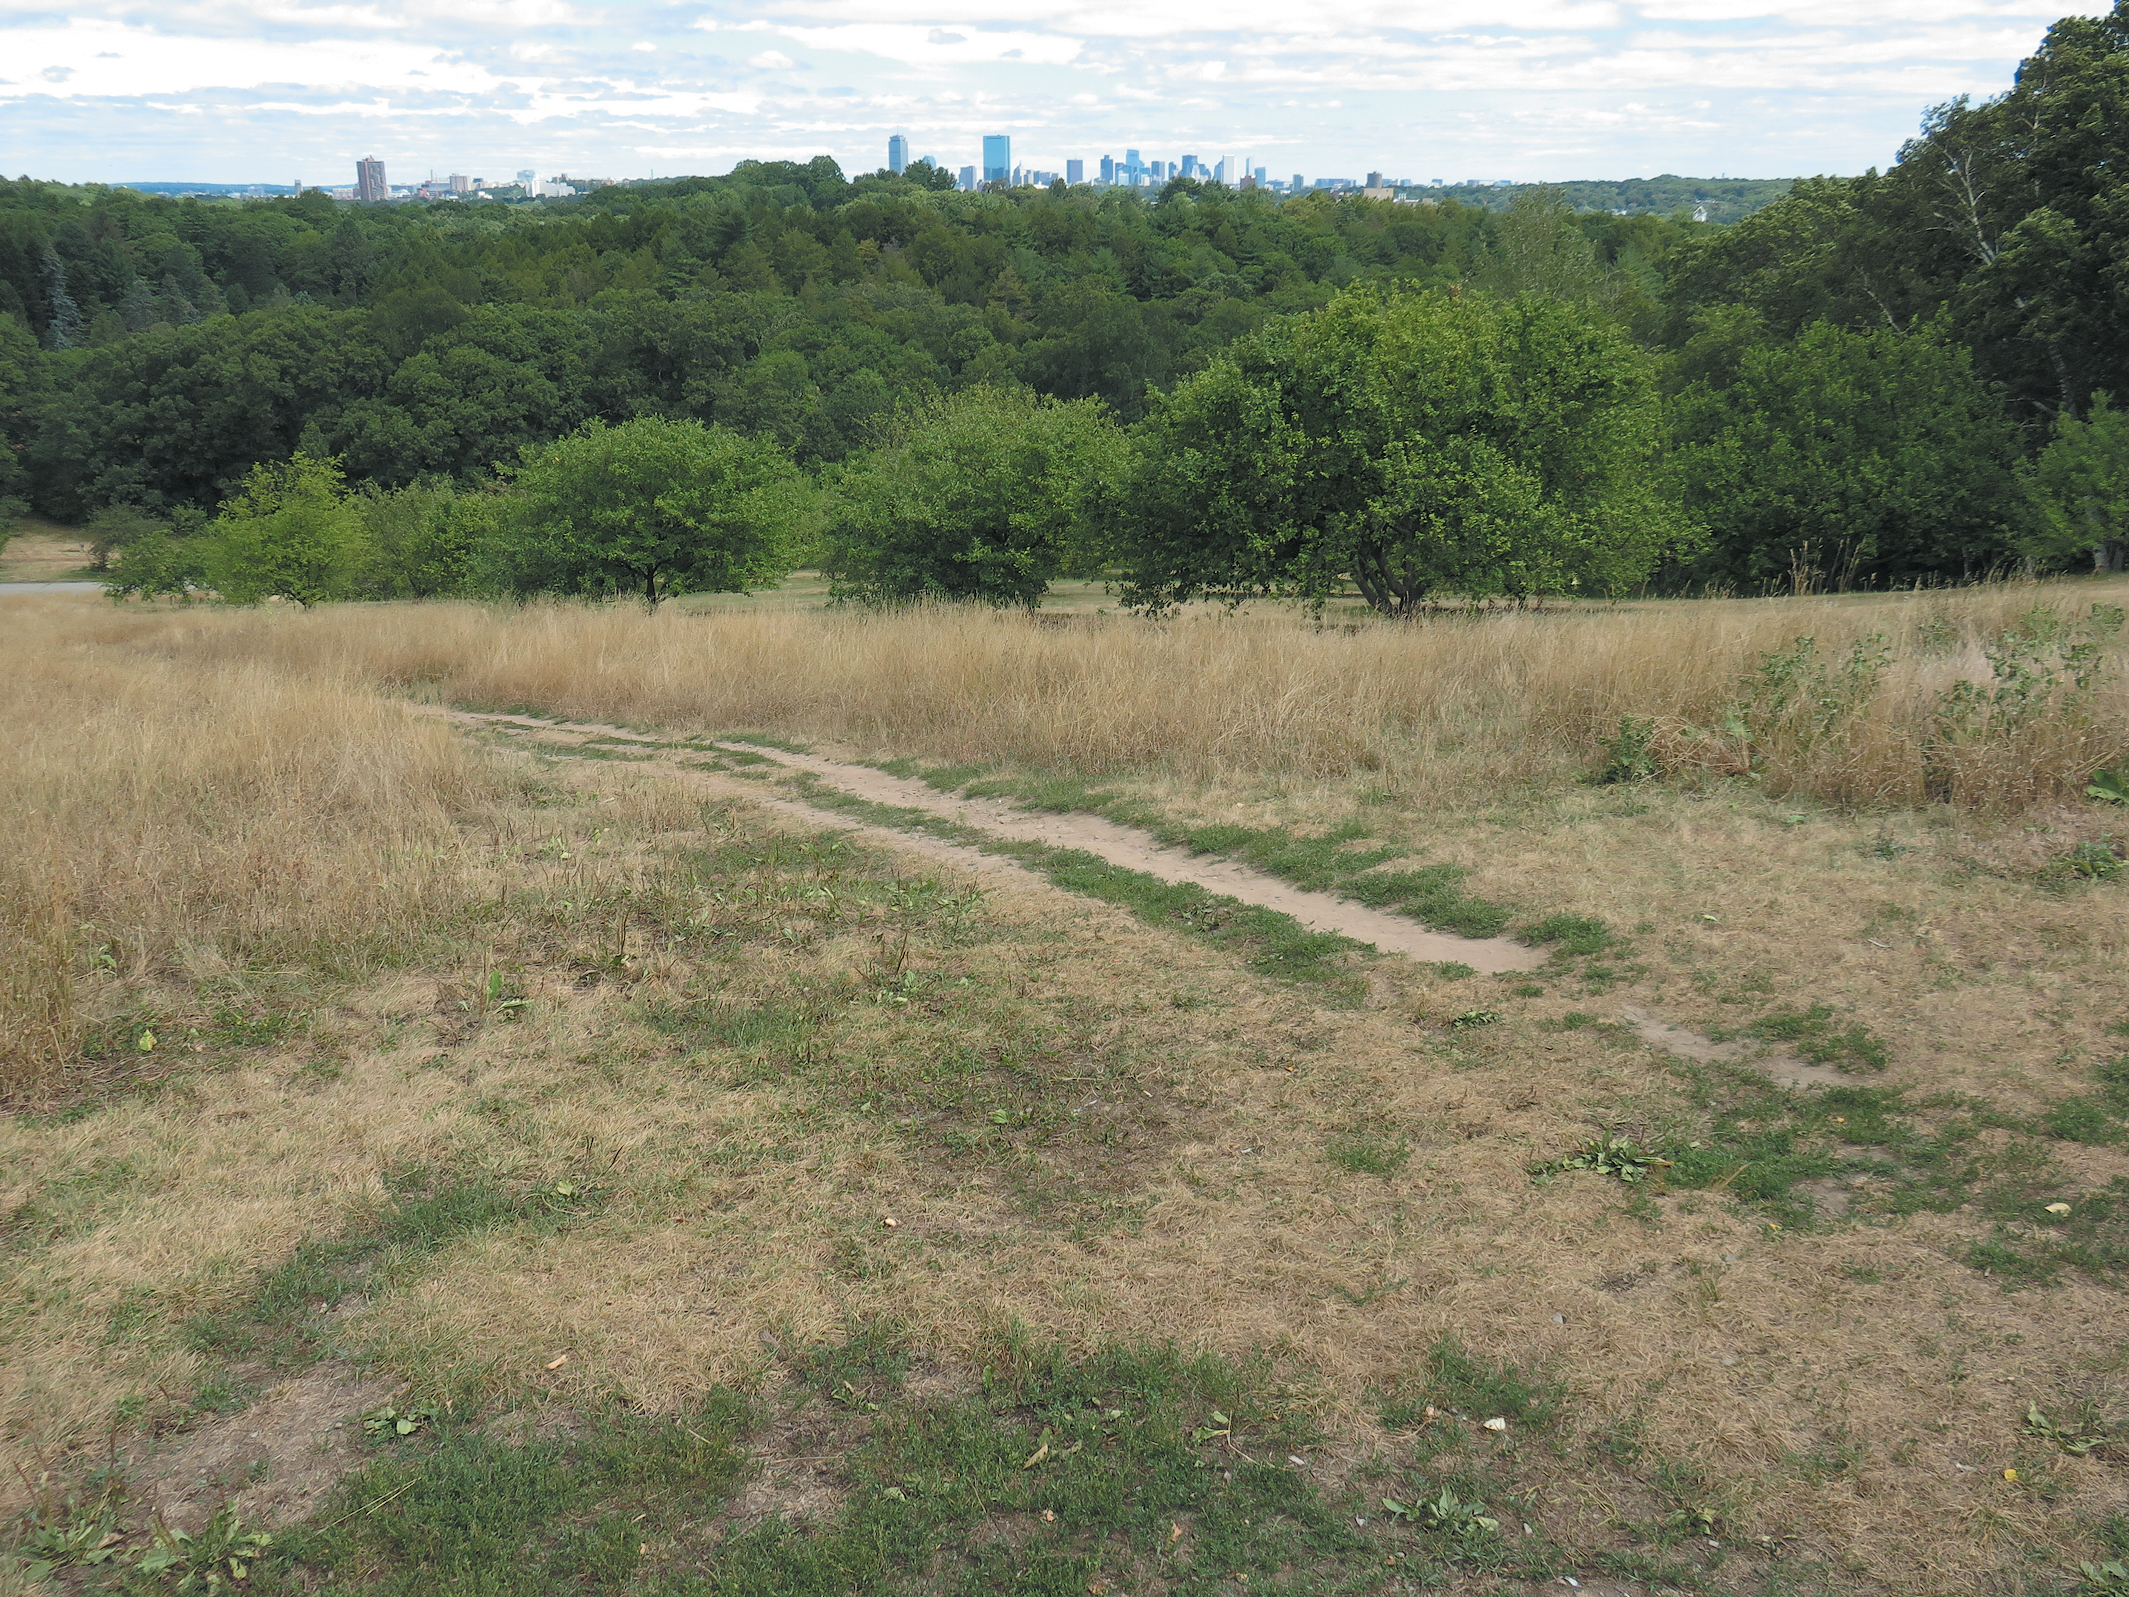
{"points": [[2078, 1438], [1618, 1157], [1457, 1519], [216, 1560], [2107, 1579], [393, 1421], [54, 1533], [2094, 860], [2111, 787], [1471, 1019], [1628, 757]]}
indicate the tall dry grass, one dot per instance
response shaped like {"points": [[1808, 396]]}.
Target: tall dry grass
{"points": [[190, 815], [1444, 707], [199, 789]]}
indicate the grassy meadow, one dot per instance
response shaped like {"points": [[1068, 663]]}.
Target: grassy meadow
{"points": [[722, 1202]]}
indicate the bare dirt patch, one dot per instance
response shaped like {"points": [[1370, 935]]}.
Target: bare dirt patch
{"points": [[1786, 1069], [275, 1460], [798, 1475]]}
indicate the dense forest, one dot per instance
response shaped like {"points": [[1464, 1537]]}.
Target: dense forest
{"points": [[1897, 377]]}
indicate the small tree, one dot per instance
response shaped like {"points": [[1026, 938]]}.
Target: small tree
{"points": [[1873, 457], [426, 537], [115, 527], [655, 506], [1412, 444], [289, 533], [983, 495], [2080, 485]]}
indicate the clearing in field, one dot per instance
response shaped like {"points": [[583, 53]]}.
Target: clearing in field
{"points": [[761, 1101]]}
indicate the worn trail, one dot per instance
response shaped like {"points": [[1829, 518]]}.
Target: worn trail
{"points": [[1120, 845]]}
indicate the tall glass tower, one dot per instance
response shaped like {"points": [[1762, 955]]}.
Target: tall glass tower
{"points": [[997, 158], [369, 180], [897, 153]]}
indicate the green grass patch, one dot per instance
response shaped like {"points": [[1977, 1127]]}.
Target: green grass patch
{"points": [[1271, 943], [1361, 1154], [1454, 1382], [284, 1320], [1818, 1038], [1432, 895]]}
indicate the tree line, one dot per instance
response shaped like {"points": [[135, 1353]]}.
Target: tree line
{"points": [[1904, 376]]}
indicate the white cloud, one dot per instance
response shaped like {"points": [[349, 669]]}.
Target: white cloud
{"points": [[120, 89]]}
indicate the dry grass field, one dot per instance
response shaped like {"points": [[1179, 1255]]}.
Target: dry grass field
{"points": [[730, 1201]]}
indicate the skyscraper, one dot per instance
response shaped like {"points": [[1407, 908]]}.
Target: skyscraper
{"points": [[968, 180], [997, 158], [897, 153], [1075, 171], [369, 179]]}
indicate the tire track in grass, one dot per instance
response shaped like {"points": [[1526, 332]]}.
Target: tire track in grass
{"points": [[1091, 838]]}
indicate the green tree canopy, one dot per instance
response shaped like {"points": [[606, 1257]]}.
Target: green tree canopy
{"points": [[654, 506], [288, 533], [983, 495], [1871, 457], [1412, 443], [2081, 486]]}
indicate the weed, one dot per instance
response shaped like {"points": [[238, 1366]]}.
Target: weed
{"points": [[2094, 860], [1629, 756], [219, 1559], [59, 1530], [1619, 1157], [2109, 787], [1472, 1019], [2083, 1435], [398, 1420]]}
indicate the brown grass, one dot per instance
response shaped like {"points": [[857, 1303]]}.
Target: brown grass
{"points": [[283, 823], [1440, 709], [177, 815]]}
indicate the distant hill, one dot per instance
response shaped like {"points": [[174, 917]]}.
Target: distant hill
{"points": [[180, 189], [1727, 198]]}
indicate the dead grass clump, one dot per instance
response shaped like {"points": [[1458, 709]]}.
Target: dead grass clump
{"points": [[193, 816]]}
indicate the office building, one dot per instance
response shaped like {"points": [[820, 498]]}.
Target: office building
{"points": [[526, 178], [997, 158], [369, 180], [968, 180], [1075, 172], [897, 154], [1108, 169], [1300, 183], [1374, 180], [461, 184], [1259, 175], [1189, 168]]}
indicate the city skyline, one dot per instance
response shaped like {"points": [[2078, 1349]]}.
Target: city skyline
{"points": [[1526, 90]]}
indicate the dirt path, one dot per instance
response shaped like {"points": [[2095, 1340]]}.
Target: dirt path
{"points": [[1120, 845]]}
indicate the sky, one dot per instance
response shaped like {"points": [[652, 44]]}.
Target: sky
{"points": [[236, 91]]}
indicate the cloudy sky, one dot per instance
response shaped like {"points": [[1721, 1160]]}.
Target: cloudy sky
{"points": [[273, 90]]}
